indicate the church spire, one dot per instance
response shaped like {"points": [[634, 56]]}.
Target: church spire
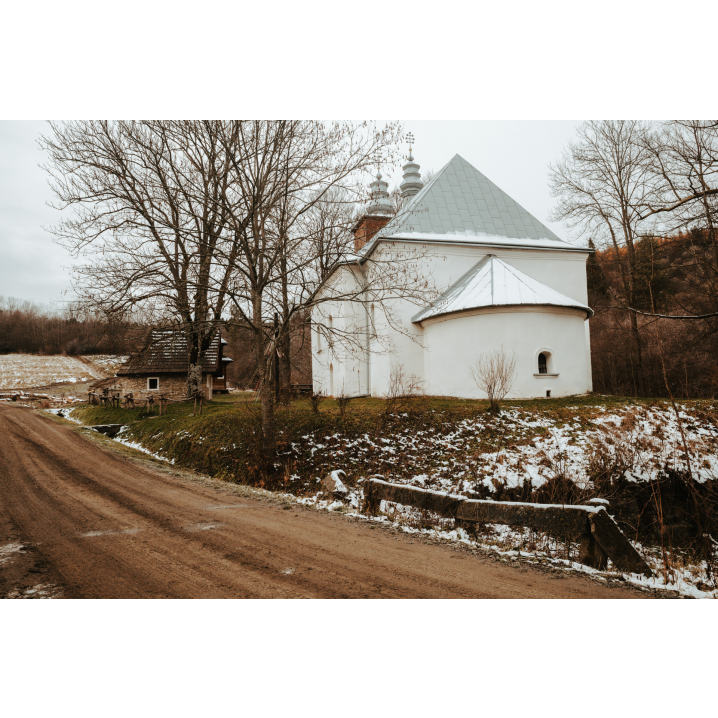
{"points": [[412, 183], [380, 202]]}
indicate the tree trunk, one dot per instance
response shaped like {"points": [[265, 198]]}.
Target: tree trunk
{"points": [[285, 369], [635, 334], [194, 378], [265, 363], [194, 372], [285, 363], [269, 439]]}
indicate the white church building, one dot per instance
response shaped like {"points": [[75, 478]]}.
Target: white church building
{"points": [[500, 279]]}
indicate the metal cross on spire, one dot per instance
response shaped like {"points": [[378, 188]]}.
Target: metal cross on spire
{"points": [[410, 139]]}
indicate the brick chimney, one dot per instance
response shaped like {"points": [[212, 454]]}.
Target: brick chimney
{"points": [[377, 215], [366, 228]]}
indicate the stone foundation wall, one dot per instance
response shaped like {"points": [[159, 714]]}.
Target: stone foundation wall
{"points": [[173, 386]]}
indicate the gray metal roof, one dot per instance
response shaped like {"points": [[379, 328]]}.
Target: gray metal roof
{"points": [[493, 283], [461, 203]]}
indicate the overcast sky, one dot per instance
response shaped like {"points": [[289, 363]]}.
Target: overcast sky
{"points": [[513, 154]]}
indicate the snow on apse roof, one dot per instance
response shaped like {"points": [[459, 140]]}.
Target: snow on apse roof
{"points": [[460, 203], [493, 283]]}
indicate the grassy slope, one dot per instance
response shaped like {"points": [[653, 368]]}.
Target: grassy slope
{"points": [[224, 441]]}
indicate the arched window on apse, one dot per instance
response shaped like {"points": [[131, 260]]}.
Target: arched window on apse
{"points": [[542, 364]]}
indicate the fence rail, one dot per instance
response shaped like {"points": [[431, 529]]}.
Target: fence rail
{"points": [[599, 535]]}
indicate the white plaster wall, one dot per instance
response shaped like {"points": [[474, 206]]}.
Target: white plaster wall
{"points": [[340, 364], [443, 265], [455, 341]]}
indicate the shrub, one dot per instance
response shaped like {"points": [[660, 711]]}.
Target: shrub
{"points": [[495, 374]]}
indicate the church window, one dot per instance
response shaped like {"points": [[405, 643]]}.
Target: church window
{"points": [[542, 364], [548, 393]]}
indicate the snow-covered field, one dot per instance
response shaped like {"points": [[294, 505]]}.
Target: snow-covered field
{"points": [[28, 370], [108, 362]]}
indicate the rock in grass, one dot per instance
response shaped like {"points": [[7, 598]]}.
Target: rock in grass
{"points": [[334, 485]]}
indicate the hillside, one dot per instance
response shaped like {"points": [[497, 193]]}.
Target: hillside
{"points": [[626, 452], [676, 275]]}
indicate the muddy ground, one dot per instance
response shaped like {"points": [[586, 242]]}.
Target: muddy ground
{"points": [[78, 519]]}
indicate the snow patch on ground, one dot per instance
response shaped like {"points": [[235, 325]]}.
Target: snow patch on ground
{"points": [[7, 552], [108, 361], [64, 414], [537, 447], [511, 544], [139, 447], [41, 590]]}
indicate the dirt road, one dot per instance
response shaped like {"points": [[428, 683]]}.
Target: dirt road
{"points": [[80, 521]]}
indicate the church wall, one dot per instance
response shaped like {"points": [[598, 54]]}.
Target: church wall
{"points": [[445, 264], [454, 343], [445, 368], [340, 365]]}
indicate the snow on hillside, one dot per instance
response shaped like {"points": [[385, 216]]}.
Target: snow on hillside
{"points": [[28, 370], [635, 443]]}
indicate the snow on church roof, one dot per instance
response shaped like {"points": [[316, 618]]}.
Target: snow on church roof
{"points": [[493, 283], [461, 204]]}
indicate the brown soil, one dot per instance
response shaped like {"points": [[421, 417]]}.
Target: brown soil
{"points": [[94, 524]]}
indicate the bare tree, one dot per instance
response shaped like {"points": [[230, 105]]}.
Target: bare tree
{"points": [[495, 373], [683, 162], [150, 227], [600, 183], [684, 154], [294, 179], [190, 220]]}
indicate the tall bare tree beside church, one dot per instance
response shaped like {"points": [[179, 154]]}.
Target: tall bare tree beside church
{"points": [[601, 181], [151, 229], [297, 184]]}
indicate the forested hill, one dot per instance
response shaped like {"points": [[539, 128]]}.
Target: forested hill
{"points": [[676, 276], [29, 328]]}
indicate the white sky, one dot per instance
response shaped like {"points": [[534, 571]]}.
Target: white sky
{"points": [[513, 154]]}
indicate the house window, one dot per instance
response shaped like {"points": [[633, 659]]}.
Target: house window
{"points": [[153, 384], [548, 393], [542, 364]]}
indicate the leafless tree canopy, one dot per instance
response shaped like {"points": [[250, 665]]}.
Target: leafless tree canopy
{"points": [[646, 195], [207, 223]]}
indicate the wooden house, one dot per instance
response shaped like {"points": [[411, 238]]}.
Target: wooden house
{"points": [[162, 367]]}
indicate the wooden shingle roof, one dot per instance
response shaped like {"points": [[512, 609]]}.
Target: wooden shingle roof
{"points": [[166, 353]]}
